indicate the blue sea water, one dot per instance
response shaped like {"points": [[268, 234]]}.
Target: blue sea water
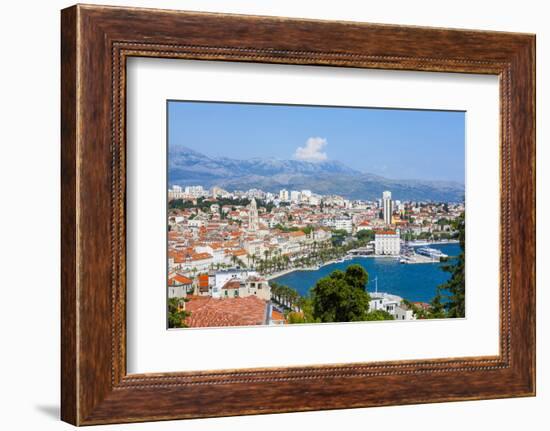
{"points": [[416, 282]]}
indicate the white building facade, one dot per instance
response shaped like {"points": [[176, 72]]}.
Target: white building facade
{"points": [[392, 304], [387, 243], [240, 283]]}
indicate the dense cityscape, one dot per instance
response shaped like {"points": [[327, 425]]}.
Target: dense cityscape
{"points": [[226, 250]]}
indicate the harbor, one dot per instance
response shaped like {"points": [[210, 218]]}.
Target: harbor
{"points": [[413, 282]]}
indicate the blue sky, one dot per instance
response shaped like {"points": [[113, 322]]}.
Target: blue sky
{"points": [[395, 143]]}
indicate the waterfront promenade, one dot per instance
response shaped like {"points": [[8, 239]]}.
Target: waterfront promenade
{"points": [[417, 260], [413, 282]]}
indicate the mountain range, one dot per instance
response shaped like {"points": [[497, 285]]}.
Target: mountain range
{"points": [[189, 167]]}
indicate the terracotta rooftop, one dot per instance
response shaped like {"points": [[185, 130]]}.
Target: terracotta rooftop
{"points": [[180, 279], [232, 284], [210, 312], [386, 232], [296, 233], [201, 256], [277, 316]]}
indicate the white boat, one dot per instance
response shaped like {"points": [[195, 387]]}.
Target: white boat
{"points": [[432, 253]]}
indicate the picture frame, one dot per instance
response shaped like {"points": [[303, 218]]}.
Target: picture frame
{"points": [[96, 42]]}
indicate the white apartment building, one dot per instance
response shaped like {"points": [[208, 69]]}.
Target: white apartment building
{"points": [[283, 195], [295, 196], [195, 191], [176, 192], [343, 223], [305, 195], [387, 243]]}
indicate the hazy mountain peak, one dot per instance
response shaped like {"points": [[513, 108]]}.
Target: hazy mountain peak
{"points": [[189, 167]]}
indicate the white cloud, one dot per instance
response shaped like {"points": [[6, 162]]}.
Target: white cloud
{"points": [[311, 152]]}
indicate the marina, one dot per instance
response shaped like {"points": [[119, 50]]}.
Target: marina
{"points": [[412, 282]]}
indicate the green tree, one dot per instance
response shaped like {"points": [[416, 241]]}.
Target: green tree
{"points": [[176, 314], [437, 309], [356, 276], [308, 229], [365, 235], [338, 236], [305, 315], [341, 296], [379, 315], [452, 293]]}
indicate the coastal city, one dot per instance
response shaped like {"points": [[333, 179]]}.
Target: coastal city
{"points": [[229, 250]]}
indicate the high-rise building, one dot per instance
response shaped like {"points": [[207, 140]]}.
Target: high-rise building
{"points": [[176, 192], [195, 191], [283, 195], [295, 196], [386, 201]]}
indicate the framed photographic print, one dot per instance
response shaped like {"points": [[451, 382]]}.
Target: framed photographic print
{"points": [[286, 207]]}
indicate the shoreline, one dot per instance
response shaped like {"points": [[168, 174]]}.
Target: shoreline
{"points": [[330, 262], [288, 271]]}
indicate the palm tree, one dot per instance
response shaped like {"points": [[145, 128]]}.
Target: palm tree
{"points": [[286, 260], [266, 254], [254, 260], [235, 260]]}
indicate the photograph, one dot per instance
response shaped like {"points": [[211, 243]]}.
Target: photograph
{"points": [[295, 214]]}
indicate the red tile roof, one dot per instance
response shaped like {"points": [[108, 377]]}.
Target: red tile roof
{"points": [[201, 256], [180, 279], [386, 232], [277, 316], [232, 284], [210, 312], [296, 233]]}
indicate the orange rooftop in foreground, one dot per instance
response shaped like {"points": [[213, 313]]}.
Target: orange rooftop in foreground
{"points": [[210, 312]]}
